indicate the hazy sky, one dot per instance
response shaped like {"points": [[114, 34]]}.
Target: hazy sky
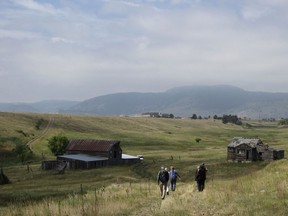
{"points": [[79, 49]]}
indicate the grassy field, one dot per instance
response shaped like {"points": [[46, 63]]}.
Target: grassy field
{"points": [[232, 188]]}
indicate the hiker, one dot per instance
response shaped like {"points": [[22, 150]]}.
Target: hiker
{"points": [[200, 177], [169, 181], [197, 170], [173, 178], [162, 179]]}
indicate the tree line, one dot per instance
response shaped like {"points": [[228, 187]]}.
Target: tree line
{"points": [[234, 119]]}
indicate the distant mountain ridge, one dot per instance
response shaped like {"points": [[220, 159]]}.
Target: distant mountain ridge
{"points": [[47, 106], [187, 100], [180, 101]]}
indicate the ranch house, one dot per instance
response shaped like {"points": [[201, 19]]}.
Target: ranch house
{"points": [[251, 149], [90, 153]]}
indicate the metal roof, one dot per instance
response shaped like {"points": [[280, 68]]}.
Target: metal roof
{"points": [[83, 157], [125, 156], [91, 145], [89, 158]]}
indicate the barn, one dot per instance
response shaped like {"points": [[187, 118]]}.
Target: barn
{"points": [[251, 149], [91, 153]]}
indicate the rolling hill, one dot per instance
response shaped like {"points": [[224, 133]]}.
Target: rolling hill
{"points": [[47, 106], [180, 101], [185, 101], [238, 189]]}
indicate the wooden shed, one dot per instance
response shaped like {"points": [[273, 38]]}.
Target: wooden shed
{"points": [[90, 153], [104, 148], [251, 149]]}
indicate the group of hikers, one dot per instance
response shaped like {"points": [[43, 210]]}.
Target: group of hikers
{"points": [[167, 179]]}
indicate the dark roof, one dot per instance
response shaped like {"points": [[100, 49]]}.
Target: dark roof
{"points": [[91, 145]]}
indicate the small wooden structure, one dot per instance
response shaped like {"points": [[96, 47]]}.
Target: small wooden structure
{"points": [[3, 178], [104, 148], [251, 149], [90, 153]]}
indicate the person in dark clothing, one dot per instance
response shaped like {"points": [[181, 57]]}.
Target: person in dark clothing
{"points": [[200, 177], [162, 179]]}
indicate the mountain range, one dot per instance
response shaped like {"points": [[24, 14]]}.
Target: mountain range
{"points": [[180, 101]]}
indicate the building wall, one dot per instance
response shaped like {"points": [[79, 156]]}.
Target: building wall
{"points": [[77, 164], [49, 165], [231, 154], [279, 154], [115, 153], [241, 153], [267, 155], [246, 153]]}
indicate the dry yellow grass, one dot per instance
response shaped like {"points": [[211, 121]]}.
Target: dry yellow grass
{"points": [[261, 193], [231, 189]]}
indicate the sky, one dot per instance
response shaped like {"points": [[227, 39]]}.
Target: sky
{"points": [[77, 50]]}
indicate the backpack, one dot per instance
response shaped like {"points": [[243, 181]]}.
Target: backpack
{"points": [[163, 176]]}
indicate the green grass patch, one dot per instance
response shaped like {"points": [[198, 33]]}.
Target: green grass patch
{"points": [[249, 188]]}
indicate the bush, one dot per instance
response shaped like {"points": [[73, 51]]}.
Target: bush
{"points": [[39, 123], [283, 122], [231, 119], [23, 152], [58, 144]]}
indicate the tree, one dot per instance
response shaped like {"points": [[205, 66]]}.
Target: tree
{"points": [[23, 152], [58, 144], [283, 121], [231, 119], [39, 123], [194, 116]]}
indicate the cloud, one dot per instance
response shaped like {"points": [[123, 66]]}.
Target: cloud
{"points": [[254, 13], [33, 5], [82, 49], [61, 40], [18, 35]]}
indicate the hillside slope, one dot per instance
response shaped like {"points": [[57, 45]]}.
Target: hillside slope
{"points": [[258, 188], [181, 101], [185, 101], [47, 106]]}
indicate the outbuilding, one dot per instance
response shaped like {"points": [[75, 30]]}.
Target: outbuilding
{"points": [[91, 153], [251, 149]]}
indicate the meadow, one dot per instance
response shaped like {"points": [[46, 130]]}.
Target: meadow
{"points": [[258, 188]]}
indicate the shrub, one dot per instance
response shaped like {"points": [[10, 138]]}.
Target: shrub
{"points": [[58, 144]]}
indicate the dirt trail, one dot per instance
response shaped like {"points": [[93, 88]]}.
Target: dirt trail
{"points": [[186, 200], [33, 141]]}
